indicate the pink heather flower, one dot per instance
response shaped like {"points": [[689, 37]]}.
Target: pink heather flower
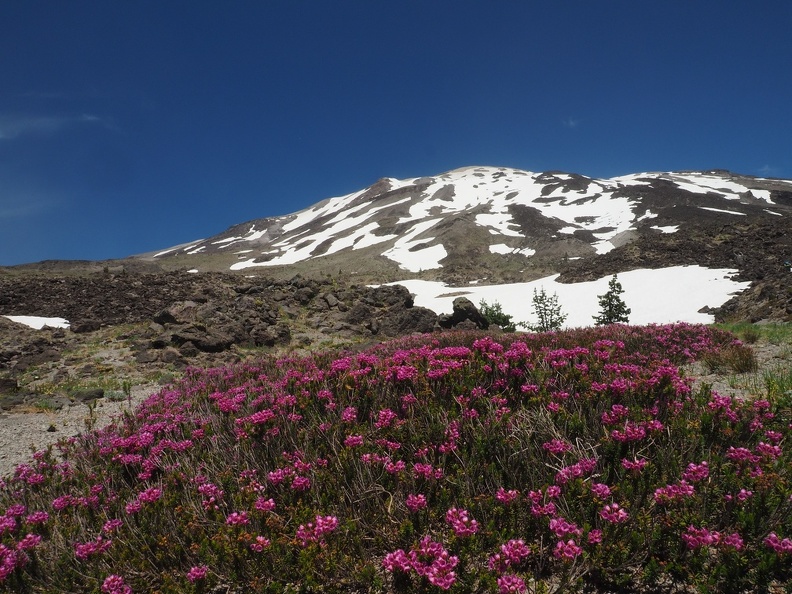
{"points": [[264, 505], [462, 522], [601, 490], [301, 483], [505, 496], [553, 492], [7, 524], [395, 467], [237, 519], [260, 544], [426, 471], [696, 472], [671, 493], [150, 495], [557, 446], [769, 451], [773, 436], [112, 525], [733, 541], [415, 502], [16, 511], [561, 527], [385, 418], [62, 502], [397, 561], [133, 507], [314, 531], [349, 414], [38, 517], [696, 538], [614, 514], [28, 542], [197, 573], [744, 495], [511, 583], [568, 550], [636, 465], [779, 546], [595, 537], [114, 584], [615, 415], [511, 553], [353, 441], [84, 550]]}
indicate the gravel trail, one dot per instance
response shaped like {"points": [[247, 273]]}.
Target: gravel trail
{"points": [[22, 433]]}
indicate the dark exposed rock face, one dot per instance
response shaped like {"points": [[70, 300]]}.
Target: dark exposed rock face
{"points": [[180, 319]]}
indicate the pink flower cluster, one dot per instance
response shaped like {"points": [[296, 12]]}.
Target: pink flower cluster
{"points": [[614, 514], [511, 554], [415, 502], [697, 538], [461, 522], [85, 550], [197, 573], [673, 493], [316, 531], [429, 559], [115, 584], [778, 545]]}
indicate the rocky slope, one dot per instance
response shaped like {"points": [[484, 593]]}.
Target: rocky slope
{"points": [[142, 328]]}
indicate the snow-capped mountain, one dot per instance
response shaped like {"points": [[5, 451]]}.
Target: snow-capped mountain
{"points": [[458, 223]]}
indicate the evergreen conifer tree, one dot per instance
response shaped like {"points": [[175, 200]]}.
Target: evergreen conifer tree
{"points": [[547, 311], [613, 310]]}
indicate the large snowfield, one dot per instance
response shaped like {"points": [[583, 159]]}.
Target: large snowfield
{"points": [[665, 295]]}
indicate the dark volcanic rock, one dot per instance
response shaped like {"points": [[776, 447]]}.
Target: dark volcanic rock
{"points": [[84, 326], [408, 321], [464, 311], [88, 395]]}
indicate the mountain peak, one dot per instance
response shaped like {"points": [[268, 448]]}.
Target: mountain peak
{"points": [[462, 222]]}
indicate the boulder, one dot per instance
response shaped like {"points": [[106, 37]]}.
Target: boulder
{"points": [[88, 395], [408, 321], [85, 326], [206, 340], [464, 310]]}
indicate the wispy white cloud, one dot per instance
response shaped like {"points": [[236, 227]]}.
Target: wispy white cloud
{"points": [[14, 125], [767, 170], [24, 207], [571, 123]]}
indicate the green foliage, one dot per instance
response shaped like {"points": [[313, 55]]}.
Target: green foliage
{"points": [[495, 315], [613, 310], [547, 311]]}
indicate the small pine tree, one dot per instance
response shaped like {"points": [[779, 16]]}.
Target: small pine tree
{"points": [[547, 311], [494, 314], [613, 310]]}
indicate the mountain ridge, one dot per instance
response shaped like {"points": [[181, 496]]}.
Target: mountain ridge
{"points": [[461, 222]]}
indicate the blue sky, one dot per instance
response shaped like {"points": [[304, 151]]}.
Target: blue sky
{"points": [[128, 127]]}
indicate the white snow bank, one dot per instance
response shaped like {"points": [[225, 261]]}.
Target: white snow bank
{"points": [[661, 296], [38, 322]]}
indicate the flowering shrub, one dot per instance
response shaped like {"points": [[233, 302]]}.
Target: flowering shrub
{"points": [[557, 462]]}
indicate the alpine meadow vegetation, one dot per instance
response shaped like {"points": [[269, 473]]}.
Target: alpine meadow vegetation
{"points": [[572, 461]]}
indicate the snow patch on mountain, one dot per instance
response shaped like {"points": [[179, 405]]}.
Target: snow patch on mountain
{"points": [[408, 217]]}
